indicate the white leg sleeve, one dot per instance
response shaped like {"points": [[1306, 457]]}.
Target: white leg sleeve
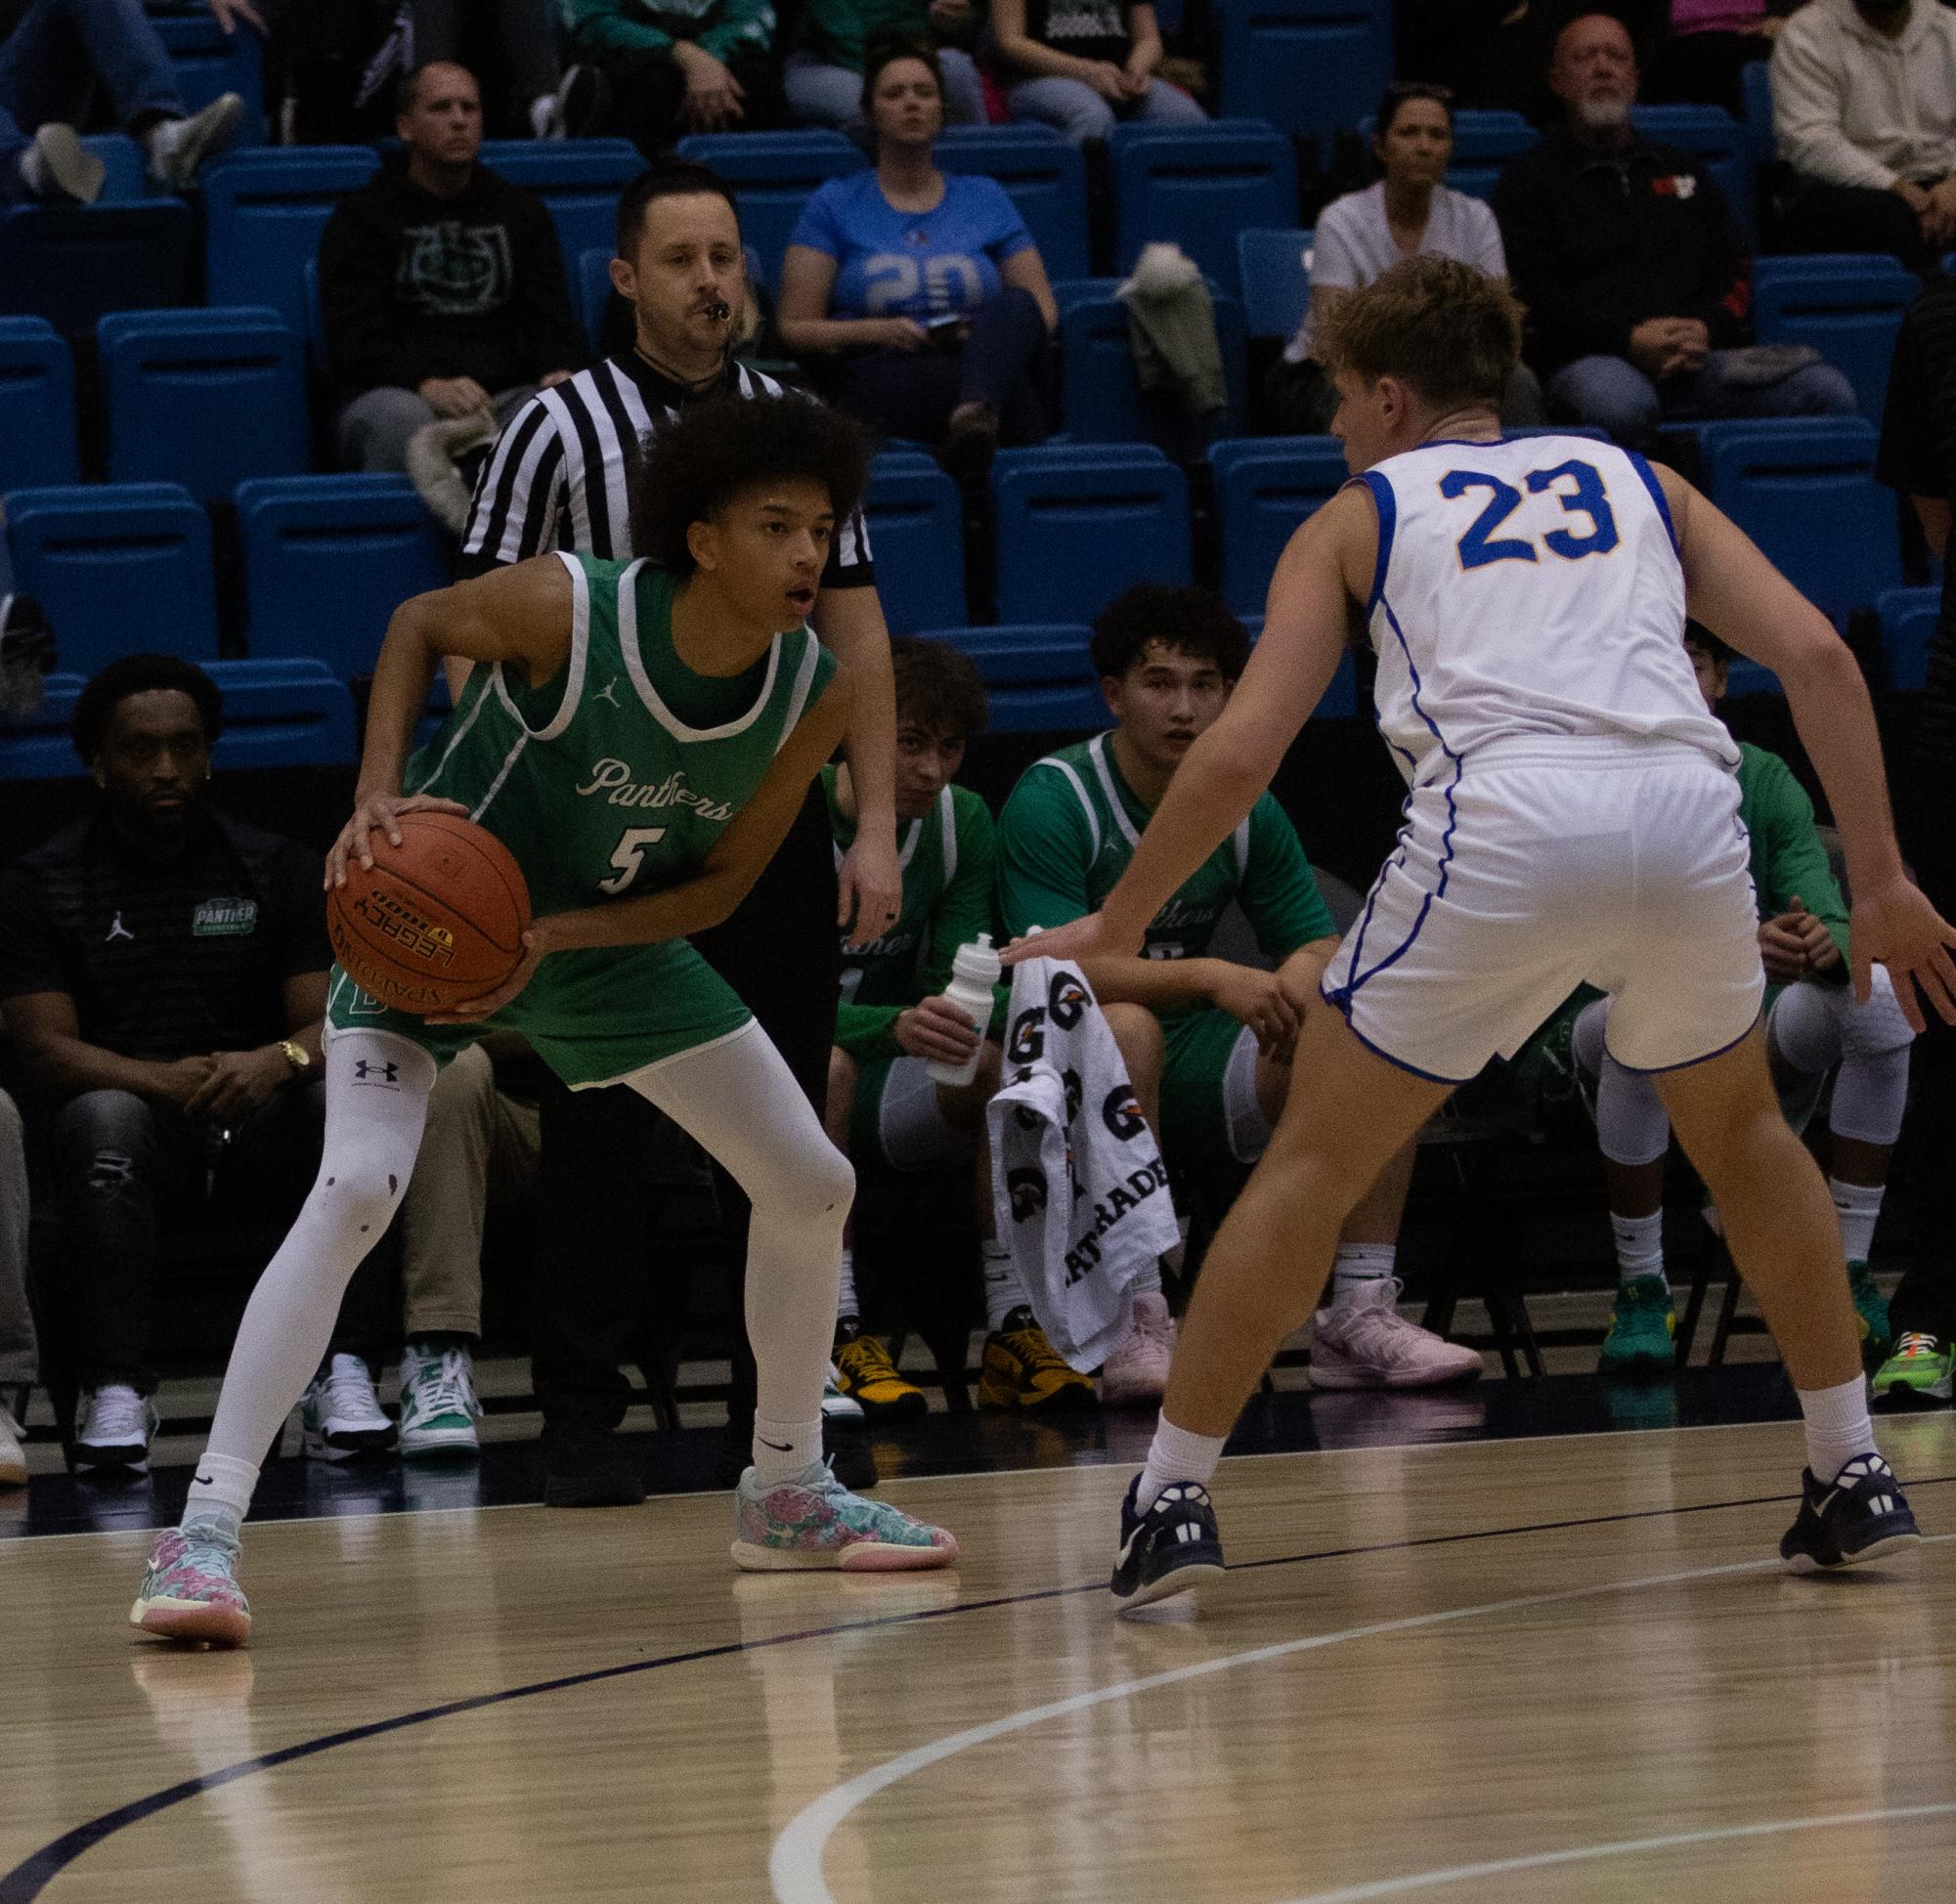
{"points": [[739, 1100], [1816, 1028], [378, 1089], [1631, 1125]]}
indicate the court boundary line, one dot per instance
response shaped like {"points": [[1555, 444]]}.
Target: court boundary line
{"points": [[26, 1880], [795, 1863]]}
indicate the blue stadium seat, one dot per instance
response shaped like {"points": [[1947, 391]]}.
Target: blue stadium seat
{"points": [[1756, 83], [774, 175], [202, 397], [1265, 486], [37, 441], [1312, 67], [1074, 534], [1710, 133], [1100, 390], [916, 529], [1038, 678], [579, 180], [1340, 699], [263, 215], [1847, 308], [327, 559], [1197, 187], [1070, 291], [1908, 625], [72, 264], [125, 175], [117, 567], [208, 61], [1044, 175], [1804, 489], [1276, 269], [1484, 140], [591, 289], [1589, 430]]}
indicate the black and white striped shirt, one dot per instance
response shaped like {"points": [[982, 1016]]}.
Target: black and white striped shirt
{"points": [[561, 473]]}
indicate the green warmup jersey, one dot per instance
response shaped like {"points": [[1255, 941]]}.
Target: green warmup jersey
{"points": [[614, 778], [949, 858]]}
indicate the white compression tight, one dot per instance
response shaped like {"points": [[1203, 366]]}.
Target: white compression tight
{"points": [[737, 1098]]}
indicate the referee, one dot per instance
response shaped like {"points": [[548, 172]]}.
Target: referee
{"points": [[559, 477]]}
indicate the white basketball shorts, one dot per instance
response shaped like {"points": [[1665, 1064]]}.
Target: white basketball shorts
{"points": [[1540, 863]]}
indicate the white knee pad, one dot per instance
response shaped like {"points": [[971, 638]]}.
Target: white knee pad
{"points": [[1818, 1028]]}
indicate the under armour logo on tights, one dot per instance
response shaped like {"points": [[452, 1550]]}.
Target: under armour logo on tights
{"points": [[364, 1069]]}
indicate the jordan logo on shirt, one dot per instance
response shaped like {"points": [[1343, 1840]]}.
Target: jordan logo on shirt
{"points": [[608, 691], [116, 930]]}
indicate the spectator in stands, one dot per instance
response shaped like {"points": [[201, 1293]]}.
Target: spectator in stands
{"points": [[512, 45], [440, 286], [1864, 109], [18, 1363], [1080, 69], [1702, 59], [825, 73], [50, 66], [1409, 210], [1633, 274], [1815, 1029], [1208, 1041], [677, 67], [1917, 457], [163, 972], [928, 282]]}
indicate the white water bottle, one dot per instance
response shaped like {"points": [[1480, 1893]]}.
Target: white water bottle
{"points": [[974, 972]]}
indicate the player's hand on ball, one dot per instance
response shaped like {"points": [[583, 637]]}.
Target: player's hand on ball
{"points": [[1258, 1000], [936, 1029], [377, 813], [472, 1011], [1896, 926]]}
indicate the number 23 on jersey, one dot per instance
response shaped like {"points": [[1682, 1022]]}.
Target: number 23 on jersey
{"points": [[1577, 485]]}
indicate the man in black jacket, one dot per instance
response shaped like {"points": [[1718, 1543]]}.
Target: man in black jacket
{"points": [[1636, 281], [441, 285]]}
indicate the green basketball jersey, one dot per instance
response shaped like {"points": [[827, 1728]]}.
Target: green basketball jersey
{"points": [[596, 786], [1071, 825]]}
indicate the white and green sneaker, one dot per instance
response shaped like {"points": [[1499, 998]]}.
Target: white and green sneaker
{"points": [[1918, 1375], [836, 1405], [439, 1408]]}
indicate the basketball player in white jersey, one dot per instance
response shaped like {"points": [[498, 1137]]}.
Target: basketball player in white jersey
{"points": [[1573, 818]]}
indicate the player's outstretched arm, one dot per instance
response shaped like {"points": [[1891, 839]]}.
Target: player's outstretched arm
{"points": [[1745, 601], [1326, 567]]}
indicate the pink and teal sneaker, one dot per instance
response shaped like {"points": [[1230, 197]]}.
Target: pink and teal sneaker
{"points": [[815, 1521], [190, 1591]]}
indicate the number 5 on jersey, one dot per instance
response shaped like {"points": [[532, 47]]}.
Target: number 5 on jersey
{"points": [[629, 854], [1480, 546]]}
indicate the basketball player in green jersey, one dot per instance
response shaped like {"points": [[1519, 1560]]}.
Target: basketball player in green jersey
{"points": [[640, 737]]}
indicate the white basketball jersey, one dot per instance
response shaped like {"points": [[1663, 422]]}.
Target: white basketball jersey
{"points": [[1528, 588]]}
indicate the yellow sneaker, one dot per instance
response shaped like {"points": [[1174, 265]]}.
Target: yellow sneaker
{"points": [[1024, 1370], [864, 1371]]}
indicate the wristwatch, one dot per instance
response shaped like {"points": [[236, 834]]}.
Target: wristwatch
{"points": [[296, 1056]]}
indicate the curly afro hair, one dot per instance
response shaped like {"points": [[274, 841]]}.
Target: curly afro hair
{"points": [[1192, 622], [95, 705], [711, 452]]}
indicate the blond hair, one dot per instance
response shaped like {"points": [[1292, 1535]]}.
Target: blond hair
{"points": [[1446, 330]]}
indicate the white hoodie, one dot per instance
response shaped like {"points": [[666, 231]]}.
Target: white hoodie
{"points": [[1850, 106]]}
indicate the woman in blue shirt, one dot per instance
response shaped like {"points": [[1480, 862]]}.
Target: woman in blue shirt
{"points": [[927, 283]]}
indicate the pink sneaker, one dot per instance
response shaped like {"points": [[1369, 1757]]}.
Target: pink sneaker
{"points": [[1138, 1370], [190, 1590], [1373, 1346]]}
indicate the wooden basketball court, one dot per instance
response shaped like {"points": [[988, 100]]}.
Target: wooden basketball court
{"points": [[1559, 1668]]}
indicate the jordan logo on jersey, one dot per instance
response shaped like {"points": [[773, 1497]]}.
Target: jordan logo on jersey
{"points": [[116, 930], [608, 692], [613, 779]]}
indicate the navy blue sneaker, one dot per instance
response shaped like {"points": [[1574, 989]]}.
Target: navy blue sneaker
{"points": [[1860, 1515], [1169, 1547]]}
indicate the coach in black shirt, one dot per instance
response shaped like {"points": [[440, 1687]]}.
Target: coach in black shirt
{"points": [[162, 970]]}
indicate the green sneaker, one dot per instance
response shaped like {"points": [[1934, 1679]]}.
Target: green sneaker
{"points": [[1871, 1311], [1640, 1345], [1918, 1374], [439, 1408]]}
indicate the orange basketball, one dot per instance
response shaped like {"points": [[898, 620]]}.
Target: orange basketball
{"points": [[438, 919]]}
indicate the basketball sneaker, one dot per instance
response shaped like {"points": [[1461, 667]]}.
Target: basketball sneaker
{"points": [[1372, 1345], [1640, 1345], [838, 1404], [1859, 1515], [340, 1414], [190, 1589], [439, 1408], [113, 1425], [1022, 1370], [13, 1457], [815, 1521], [865, 1372], [1918, 1374], [1871, 1311], [1170, 1546], [1137, 1371]]}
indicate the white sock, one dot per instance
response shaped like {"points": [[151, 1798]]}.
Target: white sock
{"points": [[1859, 1207], [1838, 1427], [1361, 1274], [845, 1299], [220, 1493], [1003, 1290], [540, 112], [1639, 1245], [785, 1449], [1147, 1282], [1178, 1455]]}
